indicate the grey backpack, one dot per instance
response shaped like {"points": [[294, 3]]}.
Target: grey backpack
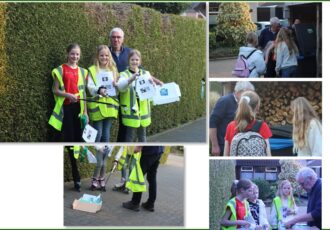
{"points": [[249, 143]]}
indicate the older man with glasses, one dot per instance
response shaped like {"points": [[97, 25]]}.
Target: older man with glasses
{"points": [[308, 180]]}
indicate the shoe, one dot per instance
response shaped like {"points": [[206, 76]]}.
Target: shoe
{"points": [[77, 187], [149, 207], [95, 184], [131, 206]]}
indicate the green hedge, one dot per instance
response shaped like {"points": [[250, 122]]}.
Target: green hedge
{"points": [[222, 174], [36, 37]]}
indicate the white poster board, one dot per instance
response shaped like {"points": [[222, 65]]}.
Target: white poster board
{"points": [[89, 134], [144, 87], [167, 93], [105, 78]]}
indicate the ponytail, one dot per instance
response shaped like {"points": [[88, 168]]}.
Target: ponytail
{"points": [[246, 110]]}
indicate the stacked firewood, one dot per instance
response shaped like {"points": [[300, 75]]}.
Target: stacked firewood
{"points": [[277, 96]]}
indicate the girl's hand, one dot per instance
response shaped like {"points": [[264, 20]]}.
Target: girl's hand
{"points": [[103, 92], [73, 98]]}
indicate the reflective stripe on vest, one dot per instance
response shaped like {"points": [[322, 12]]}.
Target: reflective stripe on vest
{"points": [[136, 182], [122, 159], [98, 111], [232, 206], [134, 118], [56, 119]]}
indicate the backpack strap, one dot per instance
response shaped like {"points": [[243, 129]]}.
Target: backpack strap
{"points": [[251, 53], [250, 56], [257, 125]]}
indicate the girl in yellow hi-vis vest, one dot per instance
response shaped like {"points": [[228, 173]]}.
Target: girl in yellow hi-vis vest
{"points": [[68, 88], [283, 207], [102, 79], [136, 113], [237, 213]]}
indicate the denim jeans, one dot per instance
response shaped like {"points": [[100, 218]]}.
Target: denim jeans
{"points": [[103, 128], [289, 71], [141, 133]]}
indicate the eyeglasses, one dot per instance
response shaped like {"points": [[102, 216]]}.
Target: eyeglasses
{"points": [[114, 37]]}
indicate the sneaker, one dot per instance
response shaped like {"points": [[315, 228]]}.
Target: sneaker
{"points": [[149, 207], [131, 206]]}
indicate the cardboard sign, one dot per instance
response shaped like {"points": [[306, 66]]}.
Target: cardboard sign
{"points": [[89, 134], [105, 78], [88, 203], [144, 87], [167, 93]]}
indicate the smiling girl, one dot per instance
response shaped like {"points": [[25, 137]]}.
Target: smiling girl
{"points": [[284, 206], [101, 86], [136, 113]]}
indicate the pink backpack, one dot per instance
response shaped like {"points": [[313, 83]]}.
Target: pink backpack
{"points": [[241, 67]]}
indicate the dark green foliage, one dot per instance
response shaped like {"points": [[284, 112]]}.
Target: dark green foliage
{"points": [[265, 190], [222, 174], [169, 8], [35, 40]]}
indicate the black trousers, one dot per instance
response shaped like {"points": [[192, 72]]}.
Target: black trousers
{"points": [[71, 129], [121, 136], [149, 165], [74, 167]]}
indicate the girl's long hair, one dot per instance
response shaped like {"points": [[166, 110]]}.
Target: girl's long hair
{"points": [[111, 64], [280, 193], [303, 114], [285, 35], [246, 111]]}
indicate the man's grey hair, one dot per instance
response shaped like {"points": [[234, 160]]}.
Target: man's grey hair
{"points": [[243, 86], [117, 29], [306, 172], [274, 20]]}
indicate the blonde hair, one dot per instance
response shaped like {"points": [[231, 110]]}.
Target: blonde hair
{"points": [[280, 191], [303, 113], [135, 52], [252, 38], [111, 65], [284, 35], [247, 107]]}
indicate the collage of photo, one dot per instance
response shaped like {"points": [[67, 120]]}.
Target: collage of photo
{"points": [[162, 114], [265, 123]]}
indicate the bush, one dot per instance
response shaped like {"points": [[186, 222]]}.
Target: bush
{"points": [[212, 40], [234, 22], [34, 37], [264, 189], [222, 174]]}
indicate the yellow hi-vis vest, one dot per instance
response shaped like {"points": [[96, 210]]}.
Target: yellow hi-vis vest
{"points": [[127, 152], [134, 114], [76, 151], [136, 182], [278, 207], [232, 206], [98, 111], [56, 119]]}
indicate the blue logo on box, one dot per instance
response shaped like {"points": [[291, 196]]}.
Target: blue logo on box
{"points": [[163, 92]]}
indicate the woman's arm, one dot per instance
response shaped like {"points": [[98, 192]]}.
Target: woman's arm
{"points": [[226, 149]]}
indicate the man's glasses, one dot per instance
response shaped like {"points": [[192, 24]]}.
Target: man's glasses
{"points": [[114, 37]]}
